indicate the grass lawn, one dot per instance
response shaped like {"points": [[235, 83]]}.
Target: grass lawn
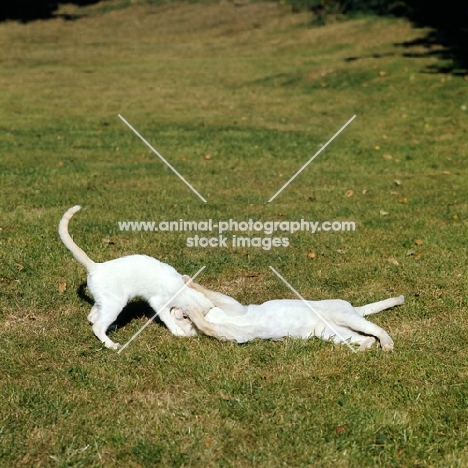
{"points": [[237, 97]]}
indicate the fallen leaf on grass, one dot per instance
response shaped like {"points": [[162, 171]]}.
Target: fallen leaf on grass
{"points": [[418, 242], [207, 157], [410, 252], [446, 172], [403, 200], [392, 261], [224, 396], [349, 193], [388, 157], [19, 267], [311, 255], [62, 286], [383, 213]]}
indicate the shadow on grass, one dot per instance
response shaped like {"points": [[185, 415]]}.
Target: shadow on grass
{"points": [[133, 310], [453, 57], [30, 10], [447, 38]]}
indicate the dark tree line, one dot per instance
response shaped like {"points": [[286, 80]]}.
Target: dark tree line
{"points": [[29, 10]]}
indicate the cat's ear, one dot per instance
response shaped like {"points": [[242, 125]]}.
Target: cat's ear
{"points": [[186, 279]]}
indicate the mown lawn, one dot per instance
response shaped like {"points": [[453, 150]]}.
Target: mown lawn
{"points": [[237, 98]]}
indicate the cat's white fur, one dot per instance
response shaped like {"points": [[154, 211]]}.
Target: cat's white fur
{"points": [[115, 282], [276, 319]]}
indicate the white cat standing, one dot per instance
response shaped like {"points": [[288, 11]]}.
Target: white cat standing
{"points": [[230, 320], [115, 282]]}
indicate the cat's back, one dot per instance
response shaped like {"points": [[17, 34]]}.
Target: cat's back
{"points": [[134, 266], [130, 260], [133, 276]]}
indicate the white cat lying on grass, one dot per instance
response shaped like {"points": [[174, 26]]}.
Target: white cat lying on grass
{"points": [[115, 282], [230, 320]]}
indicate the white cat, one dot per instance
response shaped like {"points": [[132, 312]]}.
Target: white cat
{"points": [[115, 282], [230, 320]]}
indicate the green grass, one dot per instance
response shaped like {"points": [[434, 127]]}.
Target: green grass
{"points": [[259, 90]]}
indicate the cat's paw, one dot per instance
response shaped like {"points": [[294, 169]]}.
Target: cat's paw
{"points": [[114, 346], [387, 347], [367, 344]]}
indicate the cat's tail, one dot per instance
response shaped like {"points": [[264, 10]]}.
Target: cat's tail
{"points": [[78, 253], [377, 307]]}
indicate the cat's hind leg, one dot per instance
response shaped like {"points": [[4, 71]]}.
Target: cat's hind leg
{"points": [[94, 313], [108, 313], [359, 324], [346, 334]]}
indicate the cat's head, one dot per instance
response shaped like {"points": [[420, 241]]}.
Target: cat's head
{"points": [[183, 322]]}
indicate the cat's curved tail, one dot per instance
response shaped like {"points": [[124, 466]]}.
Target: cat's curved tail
{"points": [[78, 253]]}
